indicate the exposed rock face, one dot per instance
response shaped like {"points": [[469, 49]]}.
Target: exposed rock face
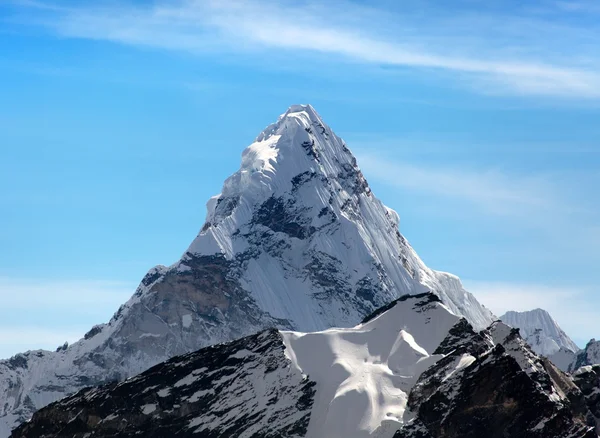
{"points": [[482, 390], [541, 331], [412, 369], [296, 240], [587, 378], [241, 389]]}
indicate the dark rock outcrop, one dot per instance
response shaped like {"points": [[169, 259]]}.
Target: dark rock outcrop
{"points": [[480, 390], [588, 380], [242, 388]]}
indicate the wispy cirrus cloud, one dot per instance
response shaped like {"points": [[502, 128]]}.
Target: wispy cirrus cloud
{"points": [[578, 6], [345, 30], [536, 223], [487, 190]]}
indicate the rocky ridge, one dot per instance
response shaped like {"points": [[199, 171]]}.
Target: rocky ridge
{"points": [[412, 369]]}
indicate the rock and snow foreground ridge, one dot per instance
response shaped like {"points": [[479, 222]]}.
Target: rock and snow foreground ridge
{"points": [[296, 240], [587, 378], [541, 331], [414, 370]]}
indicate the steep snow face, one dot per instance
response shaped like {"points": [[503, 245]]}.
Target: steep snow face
{"points": [[364, 374], [324, 251], [296, 240], [541, 331]]}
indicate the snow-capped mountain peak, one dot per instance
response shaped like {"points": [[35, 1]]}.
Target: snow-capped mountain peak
{"points": [[295, 240], [541, 331], [298, 150], [299, 205]]}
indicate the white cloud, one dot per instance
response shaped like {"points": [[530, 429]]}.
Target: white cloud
{"points": [[568, 305], [343, 29], [585, 7], [20, 293], [489, 190]]}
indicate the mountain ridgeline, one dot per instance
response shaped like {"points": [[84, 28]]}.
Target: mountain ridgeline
{"points": [[412, 370]]}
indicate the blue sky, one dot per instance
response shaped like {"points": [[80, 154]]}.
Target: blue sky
{"points": [[477, 122]]}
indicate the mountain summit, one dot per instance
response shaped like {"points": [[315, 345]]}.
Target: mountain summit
{"points": [[541, 331], [322, 250], [296, 240]]}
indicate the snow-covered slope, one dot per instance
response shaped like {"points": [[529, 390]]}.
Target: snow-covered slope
{"points": [[318, 248], [296, 240], [541, 331], [413, 369], [364, 374]]}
